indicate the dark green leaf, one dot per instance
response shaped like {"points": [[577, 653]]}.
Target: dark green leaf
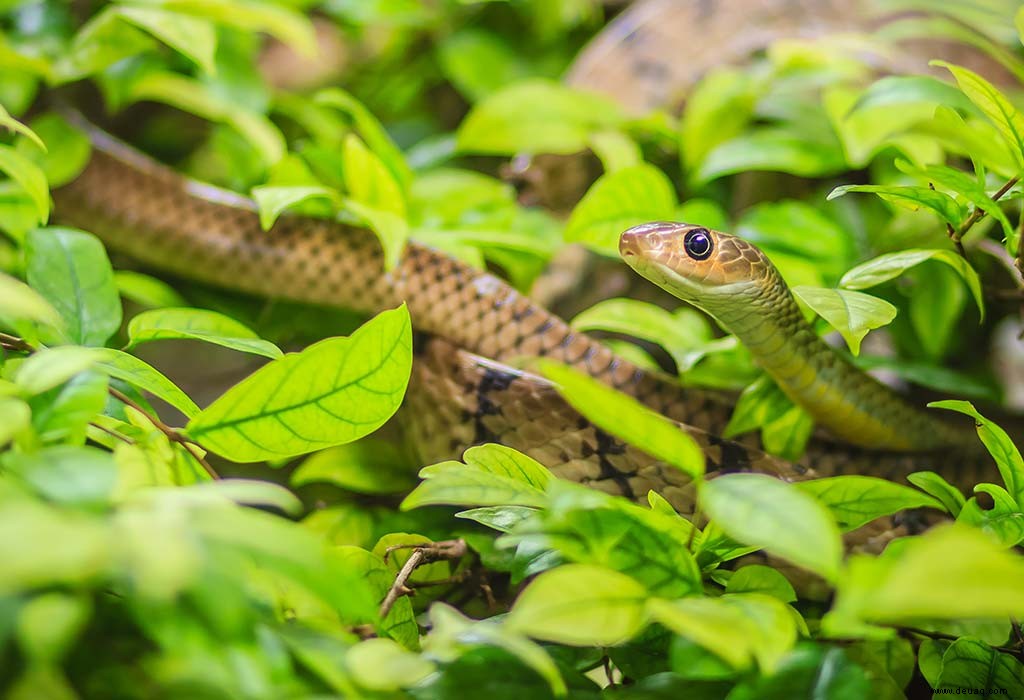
{"points": [[970, 666], [856, 500], [935, 485]]}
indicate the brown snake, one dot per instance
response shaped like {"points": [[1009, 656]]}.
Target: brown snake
{"points": [[461, 393]]}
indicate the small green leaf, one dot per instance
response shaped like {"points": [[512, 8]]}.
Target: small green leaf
{"points": [[71, 270], [970, 666], [19, 302], [30, 177], [963, 184], [51, 367], [493, 475], [999, 444], [936, 486], [760, 510], [615, 150], [536, 116], [67, 152], [288, 25], [626, 418], [66, 474], [131, 369], [194, 38], [147, 291], [892, 265], [911, 197], [335, 391], [272, 201], [364, 466], [756, 578], [911, 89], [618, 200], [856, 500], [993, 103], [376, 197], [382, 665], [391, 229], [851, 313], [720, 106], [772, 149], [15, 416], [12, 124], [197, 324], [580, 605]]}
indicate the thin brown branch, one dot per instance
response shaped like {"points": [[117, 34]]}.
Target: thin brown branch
{"points": [[13, 342], [400, 588], [172, 434], [978, 212], [113, 433], [422, 554]]}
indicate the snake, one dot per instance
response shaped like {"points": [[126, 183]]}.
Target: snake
{"points": [[467, 387]]}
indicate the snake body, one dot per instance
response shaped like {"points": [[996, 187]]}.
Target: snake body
{"points": [[463, 391]]}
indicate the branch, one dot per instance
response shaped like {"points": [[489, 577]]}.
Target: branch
{"points": [[422, 554], [13, 342], [172, 434], [978, 212]]}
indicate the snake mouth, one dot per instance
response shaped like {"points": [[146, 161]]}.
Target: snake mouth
{"points": [[645, 238]]}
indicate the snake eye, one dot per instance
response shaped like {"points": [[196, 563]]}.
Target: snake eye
{"points": [[698, 244]]}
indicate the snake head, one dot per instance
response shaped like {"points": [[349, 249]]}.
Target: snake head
{"points": [[704, 267]]}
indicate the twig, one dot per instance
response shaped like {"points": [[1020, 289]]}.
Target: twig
{"points": [[13, 342], [422, 554], [608, 672], [952, 638], [113, 433], [978, 212], [172, 434], [399, 587]]}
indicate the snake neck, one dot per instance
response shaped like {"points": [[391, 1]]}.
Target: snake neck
{"points": [[843, 399]]}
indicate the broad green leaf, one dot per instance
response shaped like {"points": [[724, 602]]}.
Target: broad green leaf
{"points": [[104, 40], [970, 666], [364, 466], [772, 149], [911, 197], [910, 89], [580, 605], [615, 150], [286, 24], [851, 313], [493, 475], [979, 580], [194, 38], [626, 418], [197, 324], [147, 291], [936, 486], [760, 510], [63, 414], [856, 500], [892, 265], [451, 633], [71, 270], [963, 184], [15, 416], [30, 177], [391, 229], [536, 116], [192, 96], [67, 149], [500, 518], [12, 124], [19, 302], [138, 373], [382, 665], [1003, 521], [71, 475], [253, 492], [368, 179], [785, 427], [999, 444], [272, 201], [50, 367], [479, 62], [618, 200], [993, 103], [719, 108], [811, 671], [975, 138], [335, 391], [756, 578]]}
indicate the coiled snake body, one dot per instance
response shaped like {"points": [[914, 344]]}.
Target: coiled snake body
{"points": [[461, 392]]}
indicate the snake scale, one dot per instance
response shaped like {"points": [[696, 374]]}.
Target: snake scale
{"points": [[462, 392]]}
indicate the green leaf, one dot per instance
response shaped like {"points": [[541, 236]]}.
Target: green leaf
{"points": [[335, 391], [615, 150], [65, 474], [936, 486], [772, 149], [760, 510], [785, 427], [15, 416], [375, 196], [910, 89], [851, 313], [67, 152], [63, 414], [979, 580], [197, 324], [71, 270], [720, 106], [51, 367], [138, 373], [12, 124], [580, 605], [30, 177], [364, 466], [963, 184], [391, 229], [999, 445], [994, 104], [892, 265], [856, 500], [970, 666], [382, 665], [810, 671], [196, 39], [147, 291], [618, 200], [756, 578], [493, 475], [479, 62], [49, 625], [536, 116], [1003, 521], [626, 418], [911, 197], [500, 518], [19, 302], [283, 23], [272, 201]]}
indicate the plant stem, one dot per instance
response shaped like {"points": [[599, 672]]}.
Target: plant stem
{"points": [[978, 212]]}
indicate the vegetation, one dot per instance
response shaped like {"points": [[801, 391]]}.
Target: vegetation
{"points": [[130, 569]]}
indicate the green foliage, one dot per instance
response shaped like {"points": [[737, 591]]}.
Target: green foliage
{"points": [[132, 568]]}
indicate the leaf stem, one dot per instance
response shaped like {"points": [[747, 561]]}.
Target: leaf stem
{"points": [[172, 434], [979, 213]]}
